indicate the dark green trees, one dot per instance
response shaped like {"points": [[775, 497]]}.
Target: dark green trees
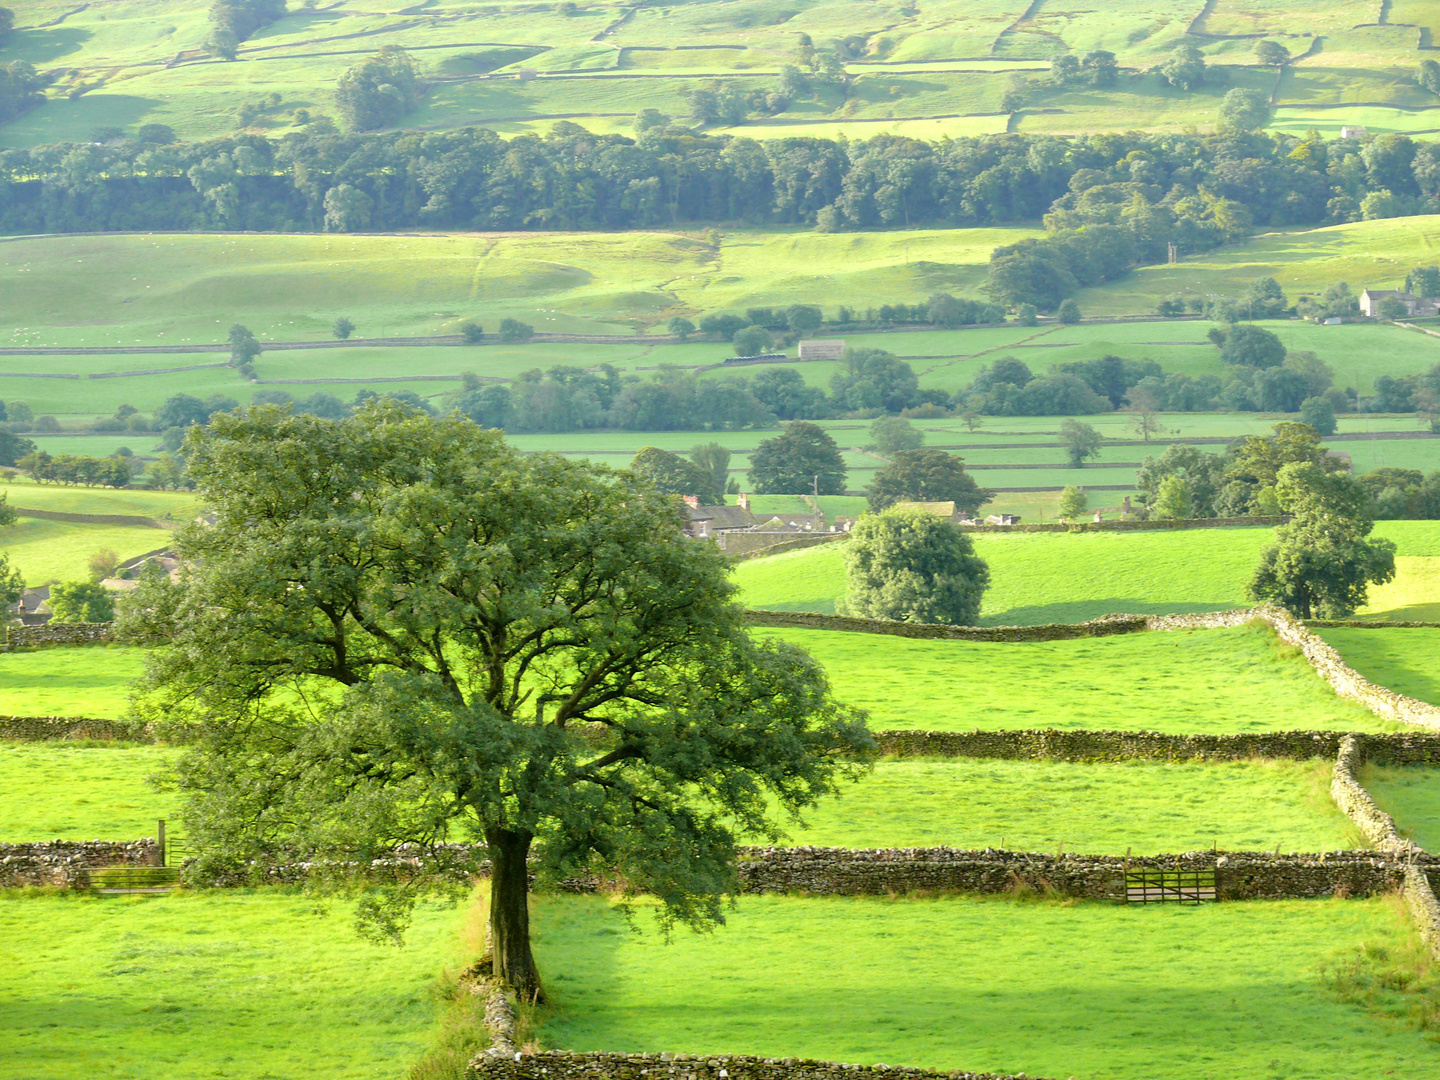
{"points": [[377, 91], [926, 476], [802, 460], [673, 475], [400, 631], [1322, 564], [912, 566]]}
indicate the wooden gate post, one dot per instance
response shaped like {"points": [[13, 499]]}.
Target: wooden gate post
{"points": [[160, 836]]}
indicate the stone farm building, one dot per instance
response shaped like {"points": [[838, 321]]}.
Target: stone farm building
{"points": [[1415, 306]]}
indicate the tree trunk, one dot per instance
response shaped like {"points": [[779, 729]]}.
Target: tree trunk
{"points": [[510, 911]]}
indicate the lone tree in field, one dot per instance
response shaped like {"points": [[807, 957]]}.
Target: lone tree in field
{"points": [[1073, 501], [927, 476], [400, 630], [801, 460], [1081, 441], [913, 566], [1321, 563]]}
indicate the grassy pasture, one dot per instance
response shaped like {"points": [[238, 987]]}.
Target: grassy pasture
{"points": [[50, 551], [934, 70], [55, 790], [1403, 660], [238, 983], [1240, 679], [1051, 577], [1150, 807], [141, 290], [1222, 991], [174, 506], [1070, 577], [82, 680], [1411, 795], [68, 792]]}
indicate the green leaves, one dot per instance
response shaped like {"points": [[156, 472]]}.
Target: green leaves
{"points": [[400, 631], [912, 566]]}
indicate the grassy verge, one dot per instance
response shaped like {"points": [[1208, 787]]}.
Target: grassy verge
{"points": [[1240, 679], [1082, 990], [237, 983]]}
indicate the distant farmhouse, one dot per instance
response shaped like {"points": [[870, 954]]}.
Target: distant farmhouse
{"points": [[1416, 307], [822, 349]]}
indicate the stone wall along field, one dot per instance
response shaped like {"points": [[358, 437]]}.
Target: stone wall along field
{"points": [[72, 728], [563, 1065], [29, 637], [57, 863]]}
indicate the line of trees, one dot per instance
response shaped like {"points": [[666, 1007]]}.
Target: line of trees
{"points": [[1201, 188]]}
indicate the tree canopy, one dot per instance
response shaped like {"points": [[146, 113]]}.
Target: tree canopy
{"points": [[1321, 563], [401, 631], [673, 475], [913, 566], [926, 476], [801, 460], [1081, 441]]}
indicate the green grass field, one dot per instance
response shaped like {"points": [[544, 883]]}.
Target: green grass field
{"points": [[1148, 807], [1089, 991], [1411, 795], [50, 551], [1400, 659], [168, 506], [234, 983], [937, 68], [1240, 679], [91, 680], [59, 791], [1071, 577]]}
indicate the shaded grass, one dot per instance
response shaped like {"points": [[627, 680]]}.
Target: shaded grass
{"points": [[1091, 991], [1150, 807], [240, 983], [1404, 660], [1411, 795], [73, 680], [1239, 679], [59, 791]]}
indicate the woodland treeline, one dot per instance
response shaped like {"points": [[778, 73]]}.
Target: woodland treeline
{"points": [[1195, 190]]}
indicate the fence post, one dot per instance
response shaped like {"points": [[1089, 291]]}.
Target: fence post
{"points": [[160, 836]]}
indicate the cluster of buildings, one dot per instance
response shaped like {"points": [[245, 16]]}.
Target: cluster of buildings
{"points": [[1416, 307]]}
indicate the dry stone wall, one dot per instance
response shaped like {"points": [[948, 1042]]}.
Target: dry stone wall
{"points": [[29, 637], [1128, 525], [1245, 875], [58, 862], [564, 1065], [71, 728], [1051, 744], [807, 620]]}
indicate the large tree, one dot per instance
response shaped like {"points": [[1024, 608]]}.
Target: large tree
{"points": [[913, 566], [926, 476], [1321, 563], [674, 475], [801, 460], [399, 630]]}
